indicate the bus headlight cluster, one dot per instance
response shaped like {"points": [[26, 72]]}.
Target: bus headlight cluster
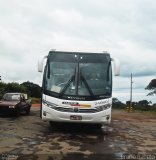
{"points": [[103, 107], [49, 104]]}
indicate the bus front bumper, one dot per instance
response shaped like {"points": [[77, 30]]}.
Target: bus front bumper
{"points": [[102, 117]]}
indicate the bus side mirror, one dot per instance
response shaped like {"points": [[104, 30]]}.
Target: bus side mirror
{"points": [[40, 63], [116, 66]]}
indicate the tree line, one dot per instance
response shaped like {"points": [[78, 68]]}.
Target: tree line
{"points": [[32, 89], [140, 105]]}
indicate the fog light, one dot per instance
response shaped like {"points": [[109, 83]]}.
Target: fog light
{"points": [[44, 113], [107, 117]]}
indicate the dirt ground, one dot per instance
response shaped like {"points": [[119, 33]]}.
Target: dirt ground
{"points": [[130, 136]]}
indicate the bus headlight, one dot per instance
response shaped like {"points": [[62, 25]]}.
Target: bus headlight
{"points": [[49, 104], [103, 107]]}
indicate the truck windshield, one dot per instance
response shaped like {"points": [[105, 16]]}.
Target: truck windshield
{"points": [[86, 75]]}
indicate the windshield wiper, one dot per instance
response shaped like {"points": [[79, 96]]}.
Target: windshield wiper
{"points": [[86, 84], [68, 84]]}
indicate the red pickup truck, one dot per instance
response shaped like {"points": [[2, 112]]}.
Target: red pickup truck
{"points": [[15, 103]]}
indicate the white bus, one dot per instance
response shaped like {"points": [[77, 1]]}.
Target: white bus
{"points": [[77, 87]]}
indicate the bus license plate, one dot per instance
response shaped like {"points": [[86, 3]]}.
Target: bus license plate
{"points": [[74, 117]]}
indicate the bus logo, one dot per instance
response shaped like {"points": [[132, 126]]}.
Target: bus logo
{"points": [[76, 109]]}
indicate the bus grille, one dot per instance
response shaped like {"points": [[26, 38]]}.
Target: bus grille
{"points": [[79, 110]]}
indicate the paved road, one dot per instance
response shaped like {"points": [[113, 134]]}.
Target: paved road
{"points": [[28, 137]]}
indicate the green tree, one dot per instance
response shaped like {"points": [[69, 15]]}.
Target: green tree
{"points": [[144, 104], [14, 87], [33, 90], [117, 104], [2, 89], [152, 86], [11, 87]]}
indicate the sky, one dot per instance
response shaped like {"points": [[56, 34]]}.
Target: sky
{"points": [[124, 28]]}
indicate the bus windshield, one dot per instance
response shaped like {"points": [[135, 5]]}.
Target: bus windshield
{"points": [[87, 75]]}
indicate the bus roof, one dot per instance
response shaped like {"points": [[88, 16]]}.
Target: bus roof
{"points": [[70, 52]]}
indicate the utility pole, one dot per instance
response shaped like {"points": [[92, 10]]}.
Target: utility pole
{"points": [[130, 107]]}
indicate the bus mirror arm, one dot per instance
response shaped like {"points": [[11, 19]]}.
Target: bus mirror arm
{"points": [[116, 66], [40, 63]]}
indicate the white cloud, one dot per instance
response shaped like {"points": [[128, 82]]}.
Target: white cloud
{"points": [[124, 28]]}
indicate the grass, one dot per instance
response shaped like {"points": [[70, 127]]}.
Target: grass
{"points": [[35, 100]]}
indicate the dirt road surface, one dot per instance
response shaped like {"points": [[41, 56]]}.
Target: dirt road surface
{"points": [[130, 136]]}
